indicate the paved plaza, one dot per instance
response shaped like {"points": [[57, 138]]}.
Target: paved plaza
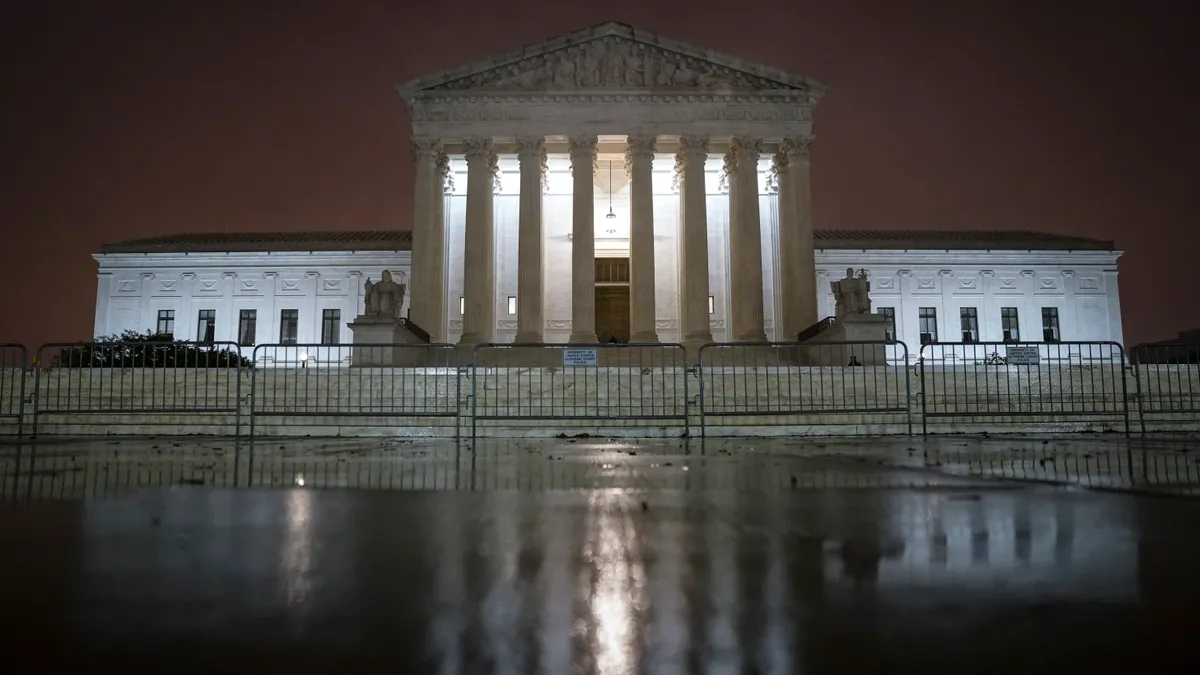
{"points": [[98, 467], [595, 556]]}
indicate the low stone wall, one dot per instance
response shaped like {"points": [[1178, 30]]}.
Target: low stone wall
{"points": [[610, 400]]}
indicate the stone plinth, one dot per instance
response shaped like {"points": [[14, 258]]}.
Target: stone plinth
{"points": [[850, 328], [382, 342]]}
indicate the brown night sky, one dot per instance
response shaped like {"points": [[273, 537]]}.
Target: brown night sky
{"points": [[129, 119]]}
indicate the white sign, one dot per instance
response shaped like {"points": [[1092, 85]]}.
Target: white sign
{"points": [[1022, 356], [579, 357]]}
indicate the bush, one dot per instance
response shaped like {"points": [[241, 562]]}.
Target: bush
{"points": [[135, 350]]}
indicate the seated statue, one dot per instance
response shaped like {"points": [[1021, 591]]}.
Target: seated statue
{"points": [[852, 294], [384, 298]]}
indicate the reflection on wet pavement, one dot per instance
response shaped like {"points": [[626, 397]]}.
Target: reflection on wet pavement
{"points": [[608, 562], [99, 468]]}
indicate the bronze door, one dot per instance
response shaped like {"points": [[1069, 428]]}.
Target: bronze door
{"points": [[612, 313]]}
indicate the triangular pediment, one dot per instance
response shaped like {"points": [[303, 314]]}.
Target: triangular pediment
{"points": [[612, 56]]}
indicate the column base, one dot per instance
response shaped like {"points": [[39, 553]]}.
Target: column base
{"points": [[582, 339], [468, 342], [691, 349], [529, 339], [755, 336], [644, 338]]}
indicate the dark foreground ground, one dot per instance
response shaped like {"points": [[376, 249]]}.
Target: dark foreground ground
{"points": [[584, 556]]}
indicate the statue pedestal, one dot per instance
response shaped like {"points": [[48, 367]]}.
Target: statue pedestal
{"points": [[850, 328], [380, 342]]}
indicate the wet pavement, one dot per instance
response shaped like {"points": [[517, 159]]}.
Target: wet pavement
{"points": [[586, 556]]}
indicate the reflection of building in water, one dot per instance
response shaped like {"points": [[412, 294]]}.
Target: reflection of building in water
{"points": [[507, 582], [1023, 543]]}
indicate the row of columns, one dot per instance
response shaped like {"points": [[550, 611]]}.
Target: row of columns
{"points": [[796, 257]]}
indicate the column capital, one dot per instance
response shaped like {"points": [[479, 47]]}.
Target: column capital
{"points": [[530, 147], [475, 147], [443, 172], [582, 144], [583, 152], [425, 148], [493, 161], [744, 147], [640, 148], [794, 147], [693, 146]]}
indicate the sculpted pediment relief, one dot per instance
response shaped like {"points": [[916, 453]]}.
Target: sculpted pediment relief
{"points": [[612, 57], [611, 63]]}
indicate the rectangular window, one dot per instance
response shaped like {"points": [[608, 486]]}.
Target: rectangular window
{"points": [[1009, 325], [712, 305], [247, 327], [889, 313], [166, 322], [289, 323], [928, 319], [1050, 324], [512, 304], [206, 325], [462, 305], [331, 326], [968, 317]]}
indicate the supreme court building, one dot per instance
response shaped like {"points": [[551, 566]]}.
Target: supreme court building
{"points": [[613, 184]]}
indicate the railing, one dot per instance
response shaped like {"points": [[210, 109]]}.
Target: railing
{"points": [[383, 385], [149, 387], [580, 385], [98, 378], [815, 329], [1061, 385], [824, 384], [1168, 385], [13, 363], [420, 333]]}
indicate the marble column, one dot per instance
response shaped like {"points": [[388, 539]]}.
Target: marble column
{"points": [[531, 154], [693, 305], [745, 242], [797, 259], [479, 258], [425, 152], [639, 157], [436, 305], [583, 240]]}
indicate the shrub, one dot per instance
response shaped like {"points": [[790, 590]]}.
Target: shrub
{"points": [[135, 350]]}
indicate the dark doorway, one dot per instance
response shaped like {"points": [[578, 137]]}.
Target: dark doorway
{"points": [[612, 313], [612, 299]]}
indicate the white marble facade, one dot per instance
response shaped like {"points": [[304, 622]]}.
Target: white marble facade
{"points": [[1080, 284], [134, 289]]}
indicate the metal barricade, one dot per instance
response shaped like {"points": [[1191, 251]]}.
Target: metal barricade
{"points": [[13, 364], [1062, 385], [377, 385], [1167, 377], [138, 377], [580, 385], [822, 384]]}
